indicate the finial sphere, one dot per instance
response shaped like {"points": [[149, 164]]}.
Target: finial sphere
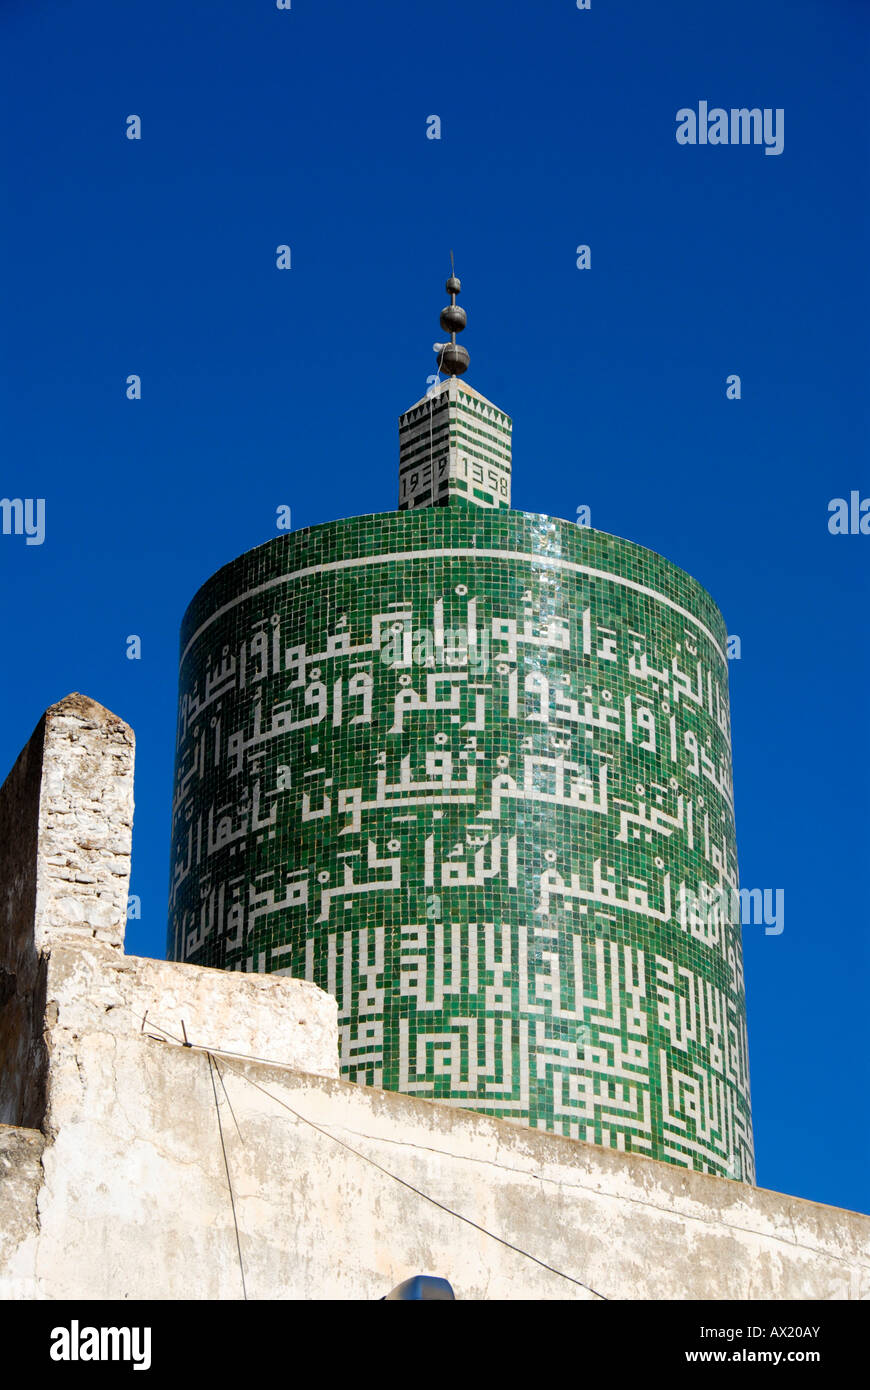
{"points": [[453, 319], [454, 285], [453, 359]]}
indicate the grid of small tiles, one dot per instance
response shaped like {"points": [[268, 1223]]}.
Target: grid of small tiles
{"points": [[470, 771], [454, 443]]}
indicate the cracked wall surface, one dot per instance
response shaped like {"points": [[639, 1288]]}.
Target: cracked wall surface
{"points": [[66, 823], [123, 1143], [20, 1181], [136, 1202]]}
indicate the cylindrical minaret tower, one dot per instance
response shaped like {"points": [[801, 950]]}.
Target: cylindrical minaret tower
{"points": [[469, 769]]}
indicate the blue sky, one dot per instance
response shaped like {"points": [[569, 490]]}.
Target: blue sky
{"points": [[308, 127]]}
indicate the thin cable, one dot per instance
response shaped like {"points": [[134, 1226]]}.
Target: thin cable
{"points": [[227, 1167], [220, 1051], [224, 1089], [410, 1186]]}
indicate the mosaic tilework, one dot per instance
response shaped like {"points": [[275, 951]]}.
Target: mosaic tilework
{"points": [[454, 443], [465, 769]]}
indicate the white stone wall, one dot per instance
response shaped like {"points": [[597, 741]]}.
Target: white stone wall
{"points": [[85, 825], [20, 1181], [94, 992], [117, 1184], [135, 1200]]}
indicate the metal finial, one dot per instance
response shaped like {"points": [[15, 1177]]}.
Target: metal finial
{"points": [[452, 358]]}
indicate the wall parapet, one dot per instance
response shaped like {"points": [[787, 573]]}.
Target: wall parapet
{"points": [[130, 1156]]}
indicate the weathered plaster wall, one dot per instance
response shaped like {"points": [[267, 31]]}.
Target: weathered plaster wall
{"points": [[95, 992], [136, 1201], [85, 825], [66, 822], [124, 1193], [20, 1180]]}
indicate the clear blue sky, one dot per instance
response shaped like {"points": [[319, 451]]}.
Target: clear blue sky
{"points": [[308, 127]]}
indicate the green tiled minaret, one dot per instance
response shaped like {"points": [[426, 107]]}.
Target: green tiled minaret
{"points": [[469, 769]]}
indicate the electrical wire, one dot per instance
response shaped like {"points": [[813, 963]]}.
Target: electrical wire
{"points": [[210, 1052], [211, 1065]]}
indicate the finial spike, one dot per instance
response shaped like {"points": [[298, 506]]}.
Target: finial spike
{"points": [[452, 358]]}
